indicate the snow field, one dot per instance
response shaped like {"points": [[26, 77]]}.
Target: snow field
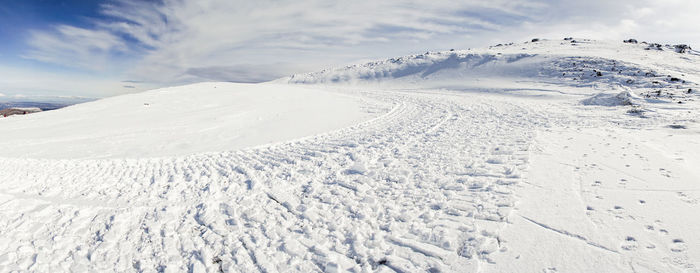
{"points": [[197, 118], [510, 165], [397, 192], [608, 199]]}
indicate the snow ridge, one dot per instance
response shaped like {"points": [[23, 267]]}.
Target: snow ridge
{"points": [[563, 64]]}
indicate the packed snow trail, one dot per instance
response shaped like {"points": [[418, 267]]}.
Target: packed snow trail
{"points": [[427, 186]]}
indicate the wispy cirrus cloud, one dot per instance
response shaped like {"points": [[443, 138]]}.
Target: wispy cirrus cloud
{"points": [[75, 47]]}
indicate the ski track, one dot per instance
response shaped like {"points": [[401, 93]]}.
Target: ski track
{"points": [[425, 187]]}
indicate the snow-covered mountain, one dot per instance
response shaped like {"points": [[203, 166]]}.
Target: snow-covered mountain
{"points": [[546, 156]]}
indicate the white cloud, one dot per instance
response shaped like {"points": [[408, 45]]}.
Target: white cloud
{"points": [[663, 21], [184, 41], [75, 47], [33, 82]]}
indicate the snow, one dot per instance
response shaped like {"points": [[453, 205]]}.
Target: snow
{"points": [[207, 117], [464, 161], [618, 197], [607, 99]]}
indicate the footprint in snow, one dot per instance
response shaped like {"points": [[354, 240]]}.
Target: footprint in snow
{"points": [[685, 198], [678, 245], [629, 244], [550, 270], [665, 172], [357, 168], [657, 225]]}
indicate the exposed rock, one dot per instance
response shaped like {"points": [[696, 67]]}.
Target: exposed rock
{"points": [[682, 48], [654, 46], [18, 111]]}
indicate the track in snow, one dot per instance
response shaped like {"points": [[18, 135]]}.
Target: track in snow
{"points": [[427, 186]]}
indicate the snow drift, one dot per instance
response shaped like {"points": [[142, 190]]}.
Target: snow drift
{"points": [[612, 99]]}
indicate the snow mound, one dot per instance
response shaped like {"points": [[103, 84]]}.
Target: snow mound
{"points": [[198, 118], [623, 98]]}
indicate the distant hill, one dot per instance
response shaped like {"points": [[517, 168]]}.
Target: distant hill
{"points": [[44, 106], [653, 70], [18, 111], [41, 102]]}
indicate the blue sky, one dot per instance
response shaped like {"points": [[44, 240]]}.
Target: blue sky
{"points": [[22, 15], [105, 48]]}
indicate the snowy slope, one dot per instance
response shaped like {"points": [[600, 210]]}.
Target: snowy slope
{"points": [[207, 117], [581, 63], [505, 159]]}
